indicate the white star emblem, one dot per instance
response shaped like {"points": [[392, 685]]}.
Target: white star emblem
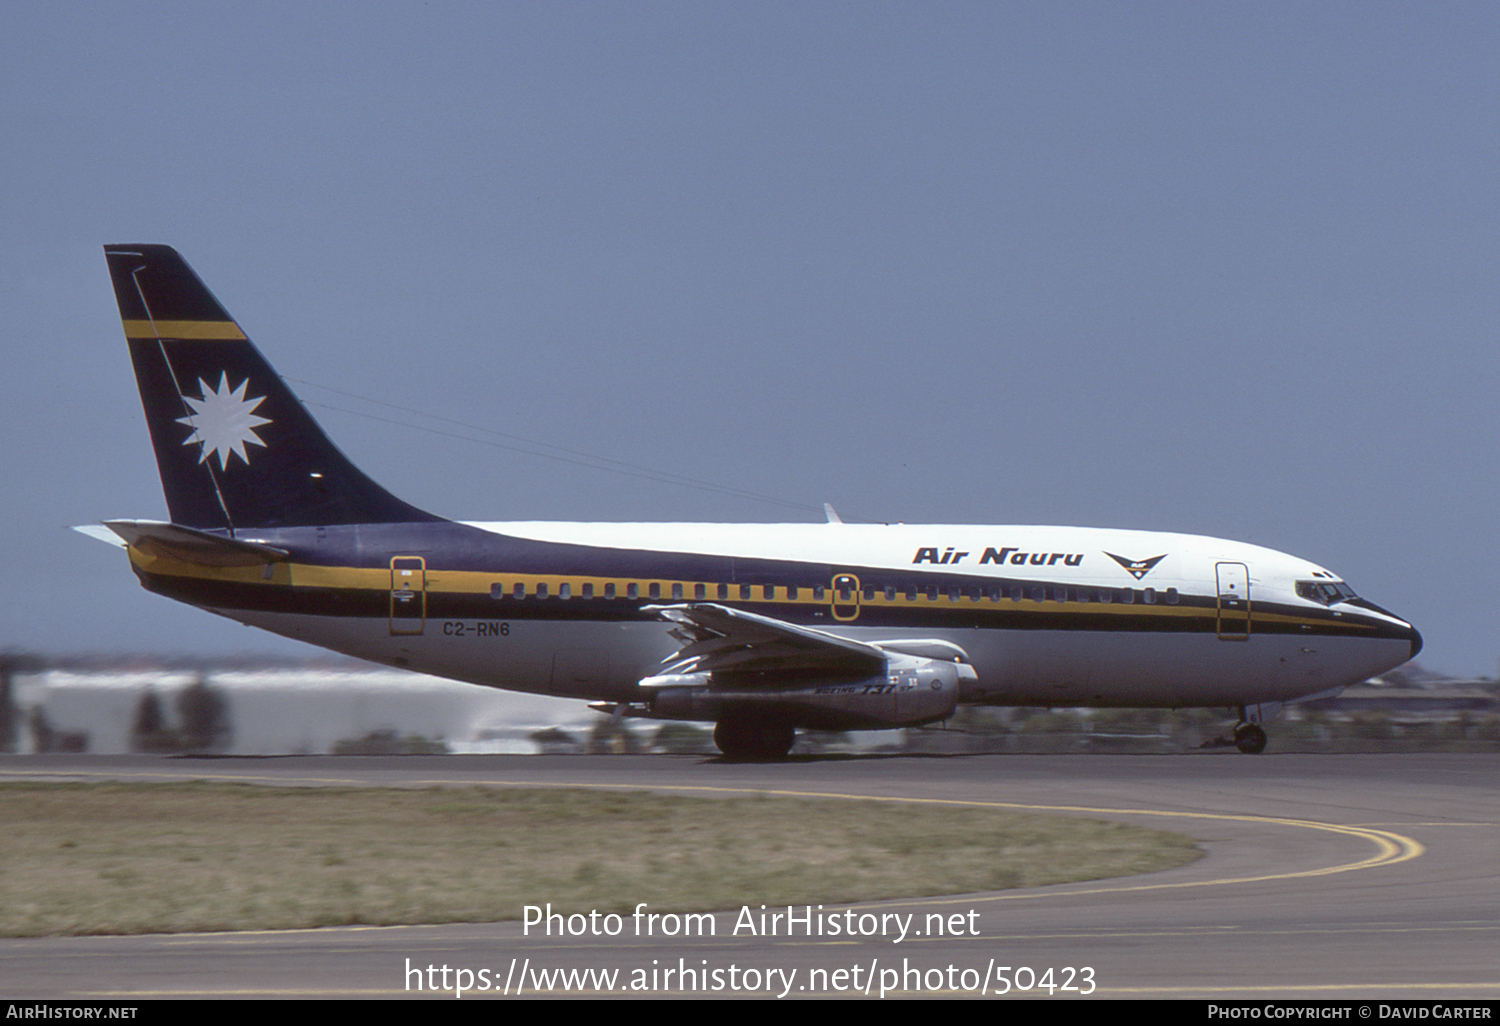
{"points": [[223, 421]]}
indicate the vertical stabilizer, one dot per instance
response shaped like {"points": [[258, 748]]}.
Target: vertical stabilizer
{"points": [[236, 449]]}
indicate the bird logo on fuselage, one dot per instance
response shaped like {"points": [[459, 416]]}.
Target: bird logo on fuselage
{"points": [[1137, 568]]}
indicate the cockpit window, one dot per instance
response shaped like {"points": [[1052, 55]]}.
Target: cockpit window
{"points": [[1326, 592]]}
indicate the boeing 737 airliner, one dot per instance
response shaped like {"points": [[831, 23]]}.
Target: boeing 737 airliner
{"points": [[761, 629]]}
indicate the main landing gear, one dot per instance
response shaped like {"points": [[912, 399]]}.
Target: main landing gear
{"points": [[754, 737]]}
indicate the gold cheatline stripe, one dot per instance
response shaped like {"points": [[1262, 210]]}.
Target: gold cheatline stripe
{"points": [[478, 582], [208, 331]]}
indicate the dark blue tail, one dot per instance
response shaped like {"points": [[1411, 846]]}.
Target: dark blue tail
{"points": [[235, 447]]}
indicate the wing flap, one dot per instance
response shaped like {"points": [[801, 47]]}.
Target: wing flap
{"points": [[723, 640]]}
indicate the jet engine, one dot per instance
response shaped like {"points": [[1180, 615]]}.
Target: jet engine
{"points": [[914, 690]]}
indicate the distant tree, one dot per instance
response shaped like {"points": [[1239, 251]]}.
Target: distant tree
{"points": [[204, 712], [555, 741], [11, 664], [388, 742], [149, 732], [676, 738], [41, 730], [612, 737]]}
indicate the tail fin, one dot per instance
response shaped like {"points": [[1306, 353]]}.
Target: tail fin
{"points": [[235, 447]]}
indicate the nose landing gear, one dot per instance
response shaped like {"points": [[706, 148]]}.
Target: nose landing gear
{"points": [[1250, 738], [1249, 735]]}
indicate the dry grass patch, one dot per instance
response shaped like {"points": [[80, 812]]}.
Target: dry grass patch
{"points": [[162, 858]]}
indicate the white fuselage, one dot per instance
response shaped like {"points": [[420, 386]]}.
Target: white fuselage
{"points": [[1045, 584]]}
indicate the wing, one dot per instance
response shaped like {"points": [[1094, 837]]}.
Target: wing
{"points": [[717, 639]]}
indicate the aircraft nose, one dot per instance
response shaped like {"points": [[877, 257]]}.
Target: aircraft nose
{"points": [[1413, 635]]}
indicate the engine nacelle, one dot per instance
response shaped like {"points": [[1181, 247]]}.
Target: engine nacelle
{"points": [[913, 691]]}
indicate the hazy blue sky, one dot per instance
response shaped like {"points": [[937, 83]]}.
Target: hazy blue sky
{"points": [[1223, 268]]}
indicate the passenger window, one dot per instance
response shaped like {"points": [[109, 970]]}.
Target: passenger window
{"points": [[655, 590], [700, 591], [1127, 596], [497, 591], [791, 591], [745, 592], [632, 590], [677, 592], [541, 590], [1171, 596], [565, 590], [588, 589], [890, 593], [519, 591], [723, 591], [818, 592], [1149, 596], [768, 591], [609, 590]]}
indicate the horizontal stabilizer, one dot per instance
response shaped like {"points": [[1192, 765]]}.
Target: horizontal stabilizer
{"points": [[191, 545]]}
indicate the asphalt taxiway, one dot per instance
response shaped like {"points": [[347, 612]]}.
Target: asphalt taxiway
{"points": [[1336, 877]]}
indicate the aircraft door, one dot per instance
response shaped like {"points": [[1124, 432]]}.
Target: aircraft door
{"points": [[1234, 601], [408, 594], [844, 597]]}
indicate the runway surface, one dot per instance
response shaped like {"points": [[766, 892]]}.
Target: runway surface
{"points": [[1333, 877]]}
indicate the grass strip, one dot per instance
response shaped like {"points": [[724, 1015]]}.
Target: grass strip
{"points": [[167, 858]]}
